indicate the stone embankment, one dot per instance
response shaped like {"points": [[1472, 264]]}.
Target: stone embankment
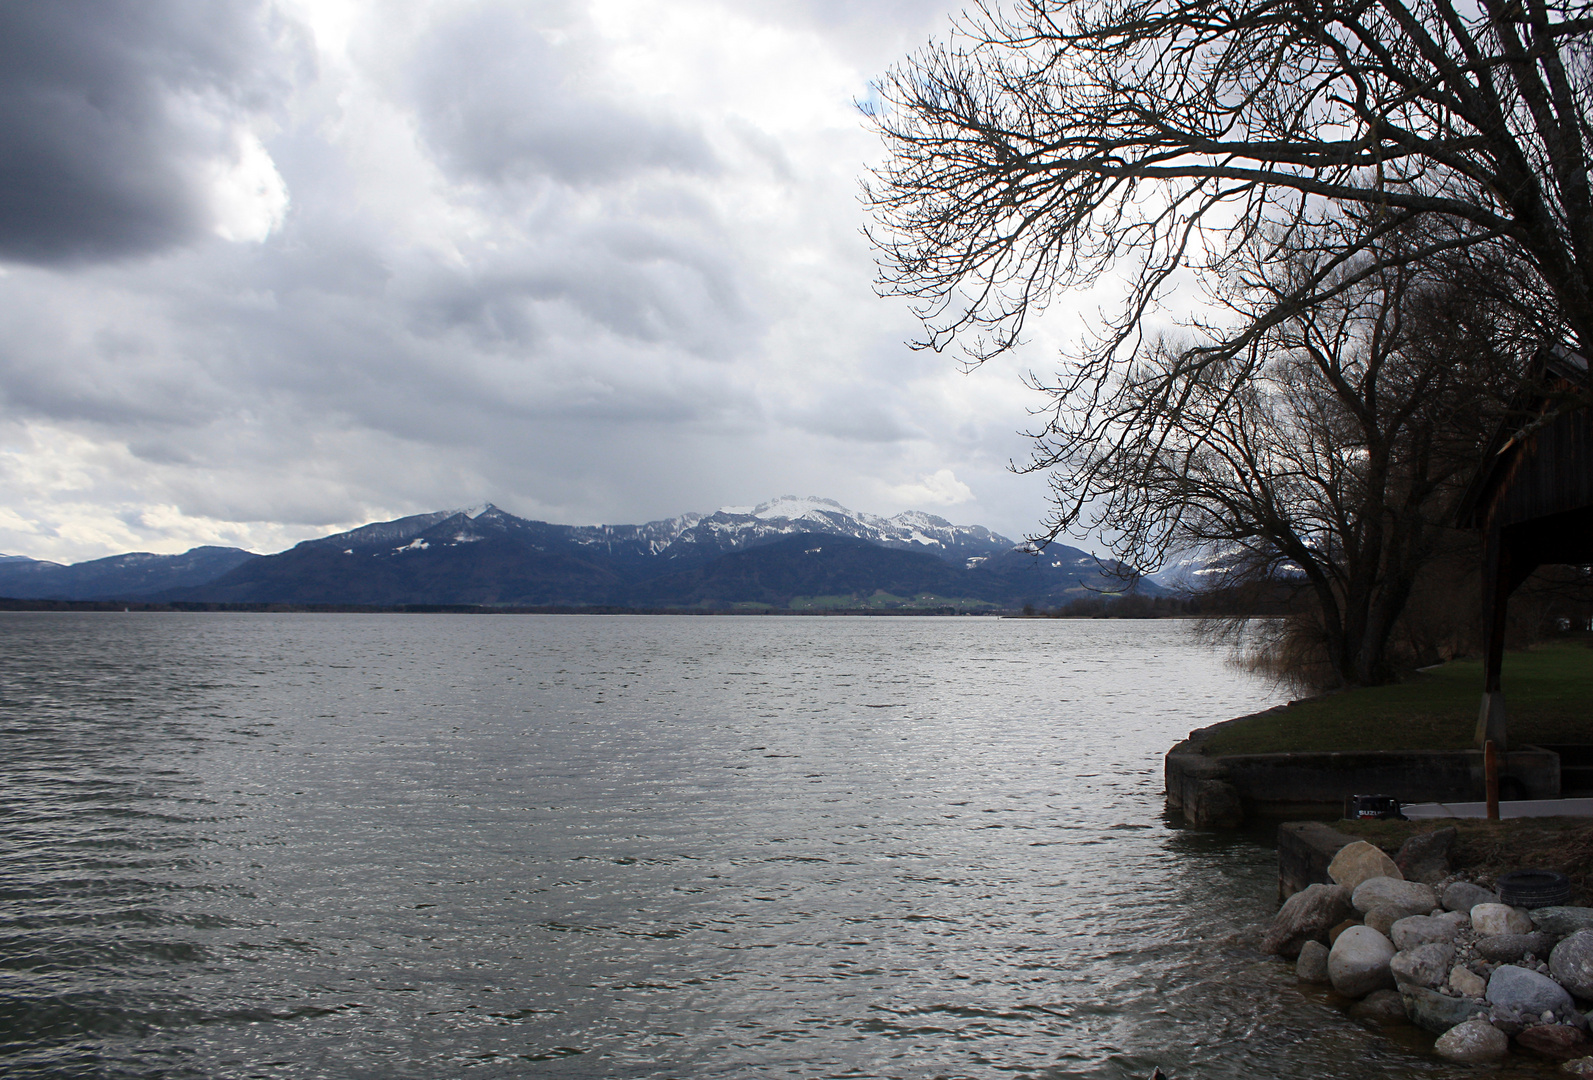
{"points": [[1422, 945], [1225, 790]]}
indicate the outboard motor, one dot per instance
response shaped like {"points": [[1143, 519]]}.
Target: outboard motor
{"points": [[1378, 807]]}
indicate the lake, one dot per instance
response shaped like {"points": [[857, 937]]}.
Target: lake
{"points": [[343, 846]]}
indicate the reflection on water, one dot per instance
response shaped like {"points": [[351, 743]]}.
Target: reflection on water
{"points": [[351, 846]]}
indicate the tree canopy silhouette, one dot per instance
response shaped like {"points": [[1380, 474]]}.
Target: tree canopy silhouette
{"points": [[1047, 141]]}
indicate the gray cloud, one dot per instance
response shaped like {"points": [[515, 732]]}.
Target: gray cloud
{"points": [[532, 257], [498, 102], [103, 106]]}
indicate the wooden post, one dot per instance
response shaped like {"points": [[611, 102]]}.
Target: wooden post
{"points": [[1490, 778], [1496, 589]]}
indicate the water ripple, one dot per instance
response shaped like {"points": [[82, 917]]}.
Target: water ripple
{"points": [[372, 846]]}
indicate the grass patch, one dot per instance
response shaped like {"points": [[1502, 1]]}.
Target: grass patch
{"points": [[1486, 849], [1548, 699]]}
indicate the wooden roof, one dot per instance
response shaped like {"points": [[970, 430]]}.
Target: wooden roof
{"points": [[1542, 466]]}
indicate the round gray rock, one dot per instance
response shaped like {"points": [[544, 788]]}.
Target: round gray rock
{"points": [[1308, 915], [1562, 921], [1489, 919], [1527, 991], [1412, 896], [1358, 963], [1312, 966], [1425, 965], [1572, 963], [1435, 1012], [1506, 948], [1463, 896], [1414, 930], [1383, 917], [1474, 1042], [1425, 856]]}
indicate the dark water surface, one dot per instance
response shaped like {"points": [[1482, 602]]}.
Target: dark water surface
{"points": [[437, 846]]}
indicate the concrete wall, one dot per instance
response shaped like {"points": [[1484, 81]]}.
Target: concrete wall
{"points": [[1223, 791], [1305, 851]]}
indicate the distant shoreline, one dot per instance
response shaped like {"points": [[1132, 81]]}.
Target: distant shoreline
{"points": [[119, 606]]}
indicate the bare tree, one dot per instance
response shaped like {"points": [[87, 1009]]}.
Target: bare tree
{"points": [[1337, 458], [1321, 168], [1050, 140]]}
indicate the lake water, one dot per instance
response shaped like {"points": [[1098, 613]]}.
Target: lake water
{"points": [[295, 846]]}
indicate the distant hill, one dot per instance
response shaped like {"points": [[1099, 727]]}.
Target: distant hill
{"points": [[134, 576], [450, 558], [802, 553]]}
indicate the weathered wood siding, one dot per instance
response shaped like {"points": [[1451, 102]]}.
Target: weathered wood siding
{"points": [[1549, 472]]}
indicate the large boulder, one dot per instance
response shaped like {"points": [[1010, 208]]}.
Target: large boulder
{"points": [[1508, 948], [1425, 965], [1358, 861], [1414, 930], [1562, 921], [1425, 856], [1571, 961], [1488, 919], [1358, 963], [1308, 915], [1463, 896], [1527, 992], [1435, 1012], [1312, 966], [1475, 1042], [1412, 897], [1383, 917]]}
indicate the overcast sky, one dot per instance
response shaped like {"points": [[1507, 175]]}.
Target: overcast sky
{"points": [[271, 270]]}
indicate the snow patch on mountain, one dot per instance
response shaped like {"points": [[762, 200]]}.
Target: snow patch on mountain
{"points": [[737, 526], [1195, 570], [812, 508]]}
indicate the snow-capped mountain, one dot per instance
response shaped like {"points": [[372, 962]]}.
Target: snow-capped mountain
{"points": [[774, 554], [1194, 571], [732, 528], [1188, 571]]}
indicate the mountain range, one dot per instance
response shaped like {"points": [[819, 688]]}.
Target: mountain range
{"points": [[788, 554]]}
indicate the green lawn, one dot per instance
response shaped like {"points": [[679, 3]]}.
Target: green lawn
{"points": [[1548, 699]]}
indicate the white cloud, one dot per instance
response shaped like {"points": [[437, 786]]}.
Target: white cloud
{"points": [[940, 488], [248, 196]]}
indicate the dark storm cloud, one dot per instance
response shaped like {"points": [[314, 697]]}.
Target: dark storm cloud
{"points": [[498, 101], [103, 107]]}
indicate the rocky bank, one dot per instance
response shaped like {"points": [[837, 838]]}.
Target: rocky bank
{"points": [[1413, 942]]}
